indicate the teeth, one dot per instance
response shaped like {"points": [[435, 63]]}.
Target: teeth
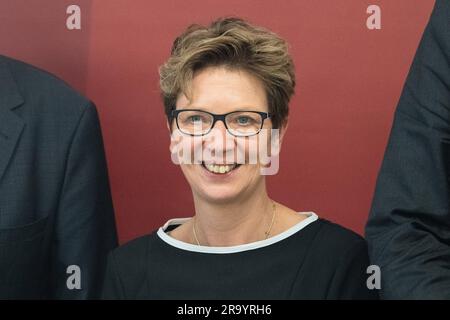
{"points": [[220, 168]]}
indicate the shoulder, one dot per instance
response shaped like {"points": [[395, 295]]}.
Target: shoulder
{"points": [[131, 258], [337, 241], [334, 247], [44, 91], [337, 263], [131, 252], [126, 270], [334, 231]]}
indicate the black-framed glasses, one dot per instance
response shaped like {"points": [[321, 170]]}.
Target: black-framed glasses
{"points": [[196, 122]]}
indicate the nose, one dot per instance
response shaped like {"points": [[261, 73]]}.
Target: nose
{"points": [[219, 142], [219, 125]]}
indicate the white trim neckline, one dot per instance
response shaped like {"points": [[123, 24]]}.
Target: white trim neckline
{"points": [[232, 249]]}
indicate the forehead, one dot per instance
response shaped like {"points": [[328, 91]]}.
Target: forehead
{"points": [[221, 89]]}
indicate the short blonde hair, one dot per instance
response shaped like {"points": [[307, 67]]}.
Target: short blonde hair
{"points": [[236, 44]]}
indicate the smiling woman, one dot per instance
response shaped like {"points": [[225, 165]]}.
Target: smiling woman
{"points": [[222, 85]]}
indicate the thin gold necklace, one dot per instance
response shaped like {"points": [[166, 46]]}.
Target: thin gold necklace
{"points": [[267, 233]]}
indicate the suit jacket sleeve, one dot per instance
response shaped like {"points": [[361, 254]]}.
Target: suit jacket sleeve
{"points": [[84, 224], [409, 226]]}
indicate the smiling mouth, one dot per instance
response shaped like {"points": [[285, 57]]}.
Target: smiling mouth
{"points": [[220, 168]]}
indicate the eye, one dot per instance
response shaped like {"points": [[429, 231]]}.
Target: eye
{"points": [[195, 118], [243, 120]]}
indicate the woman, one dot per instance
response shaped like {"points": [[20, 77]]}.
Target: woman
{"points": [[233, 81]]}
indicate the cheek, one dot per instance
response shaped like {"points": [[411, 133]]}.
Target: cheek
{"points": [[250, 176], [185, 149], [190, 172], [255, 149]]}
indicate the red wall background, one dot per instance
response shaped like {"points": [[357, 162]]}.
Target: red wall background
{"points": [[349, 81]]}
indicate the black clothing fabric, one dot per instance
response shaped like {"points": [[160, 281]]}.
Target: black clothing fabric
{"points": [[408, 231], [55, 203], [320, 261]]}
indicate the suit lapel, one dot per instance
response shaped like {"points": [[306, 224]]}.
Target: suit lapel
{"points": [[11, 126]]}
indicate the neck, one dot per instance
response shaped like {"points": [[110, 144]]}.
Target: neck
{"points": [[240, 221]]}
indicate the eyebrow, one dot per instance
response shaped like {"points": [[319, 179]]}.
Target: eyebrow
{"points": [[244, 108]]}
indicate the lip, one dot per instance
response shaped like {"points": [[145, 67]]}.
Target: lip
{"points": [[219, 176]]}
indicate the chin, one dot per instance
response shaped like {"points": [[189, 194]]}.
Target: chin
{"points": [[218, 194]]}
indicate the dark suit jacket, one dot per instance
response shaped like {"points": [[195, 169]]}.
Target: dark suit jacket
{"points": [[409, 226], [55, 202]]}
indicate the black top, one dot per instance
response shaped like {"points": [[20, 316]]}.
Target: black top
{"points": [[320, 261]]}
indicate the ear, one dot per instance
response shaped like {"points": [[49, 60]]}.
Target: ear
{"points": [[173, 140], [283, 130]]}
